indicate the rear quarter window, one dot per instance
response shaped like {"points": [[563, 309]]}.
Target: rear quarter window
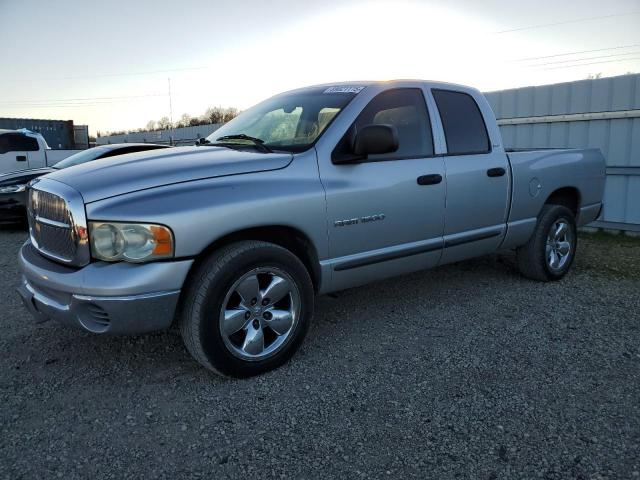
{"points": [[29, 144], [462, 121]]}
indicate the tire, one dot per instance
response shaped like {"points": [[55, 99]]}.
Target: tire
{"points": [[223, 320], [536, 257]]}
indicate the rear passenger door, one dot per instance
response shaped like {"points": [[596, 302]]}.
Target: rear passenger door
{"points": [[35, 155], [477, 179]]}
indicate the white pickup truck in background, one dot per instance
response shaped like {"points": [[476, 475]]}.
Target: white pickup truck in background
{"points": [[23, 149]]}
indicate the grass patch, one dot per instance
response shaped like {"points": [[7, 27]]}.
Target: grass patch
{"points": [[609, 255], [619, 238]]}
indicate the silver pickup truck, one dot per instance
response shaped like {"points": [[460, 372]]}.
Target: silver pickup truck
{"points": [[309, 192]]}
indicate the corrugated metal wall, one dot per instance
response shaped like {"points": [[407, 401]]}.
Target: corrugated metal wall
{"points": [[179, 135], [616, 133]]}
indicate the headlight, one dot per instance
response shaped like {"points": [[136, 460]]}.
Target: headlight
{"points": [[131, 242], [13, 189]]}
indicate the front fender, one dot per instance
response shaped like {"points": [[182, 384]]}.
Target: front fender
{"points": [[202, 211]]}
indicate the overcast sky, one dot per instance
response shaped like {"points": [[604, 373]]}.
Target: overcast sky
{"points": [[106, 64]]}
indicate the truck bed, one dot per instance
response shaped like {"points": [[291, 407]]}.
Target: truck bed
{"points": [[538, 173]]}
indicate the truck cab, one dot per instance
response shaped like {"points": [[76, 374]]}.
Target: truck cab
{"points": [[22, 150], [446, 182]]}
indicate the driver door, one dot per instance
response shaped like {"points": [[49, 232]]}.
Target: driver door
{"points": [[386, 213], [11, 157]]}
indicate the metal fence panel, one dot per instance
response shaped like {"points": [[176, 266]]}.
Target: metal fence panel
{"points": [[617, 138], [183, 135]]}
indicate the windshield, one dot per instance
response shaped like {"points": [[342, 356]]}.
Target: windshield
{"points": [[290, 121], [80, 157]]}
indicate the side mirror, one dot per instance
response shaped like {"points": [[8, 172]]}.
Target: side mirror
{"points": [[375, 139]]}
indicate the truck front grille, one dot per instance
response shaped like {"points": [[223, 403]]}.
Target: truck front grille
{"points": [[57, 241], [49, 206], [50, 225], [54, 231]]}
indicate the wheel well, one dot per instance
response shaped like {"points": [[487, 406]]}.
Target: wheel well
{"points": [[568, 197], [287, 237]]}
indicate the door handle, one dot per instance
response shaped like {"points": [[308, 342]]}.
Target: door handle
{"points": [[429, 179], [21, 158], [496, 172]]}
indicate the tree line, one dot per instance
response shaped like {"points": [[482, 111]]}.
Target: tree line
{"points": [[212, 115]]}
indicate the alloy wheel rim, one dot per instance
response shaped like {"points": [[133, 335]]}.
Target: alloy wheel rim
{"points": [[259, 313], [559, 244]]}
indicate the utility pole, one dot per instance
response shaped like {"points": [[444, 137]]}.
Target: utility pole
{"points": [[170, 114]]}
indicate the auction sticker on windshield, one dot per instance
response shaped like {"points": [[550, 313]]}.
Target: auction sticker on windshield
{"points": [[343, 89]]}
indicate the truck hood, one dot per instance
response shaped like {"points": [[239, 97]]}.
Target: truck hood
{"points": [[122, 174]]}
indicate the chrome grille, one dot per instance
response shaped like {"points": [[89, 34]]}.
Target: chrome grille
{"points": [[57, 222], [55, 240], [50, 225], [50, 206]]}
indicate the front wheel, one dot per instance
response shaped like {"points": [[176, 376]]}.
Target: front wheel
{"points": [[247, 309], [550, 251]]}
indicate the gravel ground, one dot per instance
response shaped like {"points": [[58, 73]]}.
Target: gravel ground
{"points": [[466, 371]]}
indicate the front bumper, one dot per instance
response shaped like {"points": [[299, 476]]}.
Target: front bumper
{"points": [[116, 298]]}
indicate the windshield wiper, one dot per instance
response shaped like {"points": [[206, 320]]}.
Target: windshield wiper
{"points": [[258, 142]]}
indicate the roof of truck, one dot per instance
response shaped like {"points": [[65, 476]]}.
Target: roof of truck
{"points": [[393, 80], [367, 83]]}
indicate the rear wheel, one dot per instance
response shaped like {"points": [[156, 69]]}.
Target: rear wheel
{"points": [[550, 251], [247, 309]]}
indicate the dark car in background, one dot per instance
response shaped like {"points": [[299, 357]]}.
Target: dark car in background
{"points": [[13, 198]]}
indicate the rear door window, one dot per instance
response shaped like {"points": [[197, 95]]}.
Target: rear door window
{"points": [[464, 127]]}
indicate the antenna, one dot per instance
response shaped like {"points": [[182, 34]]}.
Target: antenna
{"points": [[170, 114]]}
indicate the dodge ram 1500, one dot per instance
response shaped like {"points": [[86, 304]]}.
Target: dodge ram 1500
{"points": [[311, 191]]}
